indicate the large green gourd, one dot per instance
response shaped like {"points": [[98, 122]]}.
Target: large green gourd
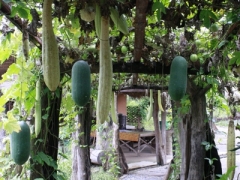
{"points": [[178, 78], [105, 74], [20, 144], [81, 83], [50, 53]]}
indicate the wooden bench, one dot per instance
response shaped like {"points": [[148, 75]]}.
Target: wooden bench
{"points": [[126, 137]]}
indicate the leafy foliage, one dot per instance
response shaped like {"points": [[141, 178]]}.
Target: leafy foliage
{"points": [[165, 37]]}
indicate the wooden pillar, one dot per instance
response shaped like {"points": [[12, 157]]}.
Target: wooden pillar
{"points": [[122, 104], [160, 154], [163, 120]]}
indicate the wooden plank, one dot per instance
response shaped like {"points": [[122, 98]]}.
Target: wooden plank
{"points": [[127, 136]]}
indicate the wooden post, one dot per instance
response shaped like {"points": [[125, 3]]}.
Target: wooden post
{"points": [[163, 120], [160, 154]]}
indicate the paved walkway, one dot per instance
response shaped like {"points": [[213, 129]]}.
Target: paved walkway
{"points": [[144, 167]]}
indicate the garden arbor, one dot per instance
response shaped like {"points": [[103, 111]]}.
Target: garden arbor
{"points": [[158, 31]]}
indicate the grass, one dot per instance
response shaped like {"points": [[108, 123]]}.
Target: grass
{"points": [[102, 175]]}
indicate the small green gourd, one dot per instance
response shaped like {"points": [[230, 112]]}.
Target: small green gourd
{"points": [[150, 109], [20, 144], [81, 82], [38, 109], [178, 78]]}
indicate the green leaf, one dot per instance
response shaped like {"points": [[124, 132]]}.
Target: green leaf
{"points": [[212, 80], [23, 13], [235, 58], [160, 8], [12, 70], [213, 43], [13, 11], [21, 10], [222, 43], [63, 155], [204, 143], [207, 15], [227, 174], [45, 116], [10, 124], [44, 158]]}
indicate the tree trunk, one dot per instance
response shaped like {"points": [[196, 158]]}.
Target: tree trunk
{"points": [[160, 154], [194, 130], [192, 133], [81, 165], [185, 146], [198, 135], [49, 134], [216, 167]]}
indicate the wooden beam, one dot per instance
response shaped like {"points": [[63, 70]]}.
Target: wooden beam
{"points": [[141, 68]]}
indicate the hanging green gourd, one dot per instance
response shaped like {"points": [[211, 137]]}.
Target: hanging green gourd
{"points": [[20, 144], [38, 109], [81, 82], [160, 101], [178, 78], [119, 21], [97, 20], [50, 52], [105, 73], [150, 109], [113, 108]]}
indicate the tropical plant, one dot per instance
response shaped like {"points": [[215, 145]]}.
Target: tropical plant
{"points": [[157, 32]]}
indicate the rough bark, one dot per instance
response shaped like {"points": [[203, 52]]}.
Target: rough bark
{"points": [[160, 153], [49, 133], [216, 167], [140, 24], [185, 146], [193, 131], [81, 165]]}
